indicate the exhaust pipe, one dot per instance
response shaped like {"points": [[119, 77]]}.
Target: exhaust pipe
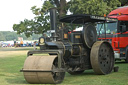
{"points": [[53, 19]]}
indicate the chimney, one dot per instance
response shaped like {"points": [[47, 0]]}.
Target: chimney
{"points": [[53, 19]]}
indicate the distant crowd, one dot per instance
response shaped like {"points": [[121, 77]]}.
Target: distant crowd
{"points": [[18, 44]]}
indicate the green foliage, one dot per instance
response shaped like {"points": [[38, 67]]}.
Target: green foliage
{"points": [[2, 38], [41, 21], [38, 25], [93, 7], [27, 26], [8, 36]]}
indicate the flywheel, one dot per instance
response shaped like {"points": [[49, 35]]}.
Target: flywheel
{"points": [[89, 35], [102, 57], [40, 70]]}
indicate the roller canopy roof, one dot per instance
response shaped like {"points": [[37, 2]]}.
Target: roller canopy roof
{"points": [[84, 18], [120, 13]]}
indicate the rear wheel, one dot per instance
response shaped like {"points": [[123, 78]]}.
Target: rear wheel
{"points": [[102, 57]]}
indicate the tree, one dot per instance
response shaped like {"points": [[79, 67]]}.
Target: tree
{"points": [[41, 22], [93, 7], [2, 38], [8, 36]]}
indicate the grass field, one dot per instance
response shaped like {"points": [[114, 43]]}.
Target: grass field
{"points": [[12, 60]]}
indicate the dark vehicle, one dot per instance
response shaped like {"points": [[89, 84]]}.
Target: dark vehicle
{"points": [[72, 52]]}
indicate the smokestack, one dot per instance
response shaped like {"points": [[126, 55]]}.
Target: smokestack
{"points": [[53, 19]]}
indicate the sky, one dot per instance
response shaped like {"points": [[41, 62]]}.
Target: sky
{"points": [[14, 11]]}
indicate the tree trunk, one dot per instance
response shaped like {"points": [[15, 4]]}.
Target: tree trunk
{"points": [[61, 4], [62, 7]]}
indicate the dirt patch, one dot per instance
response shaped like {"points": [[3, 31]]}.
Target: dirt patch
{"points": [[12, 53]]}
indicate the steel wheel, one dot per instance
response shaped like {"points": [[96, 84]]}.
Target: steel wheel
{"points": [[102, 57], [46, 64], [58, 76]]}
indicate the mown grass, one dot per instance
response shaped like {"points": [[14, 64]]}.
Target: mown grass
{"points": [[10, 66], [16, 49]]}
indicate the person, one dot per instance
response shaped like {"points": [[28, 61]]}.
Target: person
{"points": [[27, 44], [21, 43], [34, 45], [15, 43]]}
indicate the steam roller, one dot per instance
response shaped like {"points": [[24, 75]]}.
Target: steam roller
{"points": [[68, 51], [42, 70]]}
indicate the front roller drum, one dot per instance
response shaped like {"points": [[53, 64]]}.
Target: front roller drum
{"points": [[40, 70], [102, 57]]}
